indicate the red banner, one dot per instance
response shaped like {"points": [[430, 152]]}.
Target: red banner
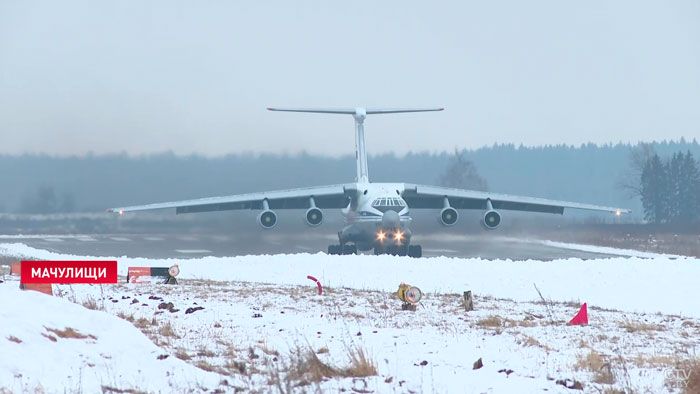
{"points": [[69, 272]]}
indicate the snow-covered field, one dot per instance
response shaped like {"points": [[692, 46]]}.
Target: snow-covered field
{"points": [[263, 328]]}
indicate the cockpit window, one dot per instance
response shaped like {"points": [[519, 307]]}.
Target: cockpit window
{"points": [[388, 204]]}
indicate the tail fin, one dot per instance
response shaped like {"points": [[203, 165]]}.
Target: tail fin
{"points": [[359, 114]]}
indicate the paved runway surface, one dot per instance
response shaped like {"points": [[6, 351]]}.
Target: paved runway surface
{"points": [[486, 246]]}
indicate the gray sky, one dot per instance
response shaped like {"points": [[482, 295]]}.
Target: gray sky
{"points": [[196, 77]]}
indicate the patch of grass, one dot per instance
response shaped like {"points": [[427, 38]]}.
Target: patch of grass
{"points": [[490, 322], [519, 323], [270, 352], [127, 317], [205, 353], [598, 365], [14, 339], [167, 330], [109, 389], [692, 371], [91, 303], [142, 323], [304, 366], [531, 341], [182, 354], [360, 364], [204, 365], [69, 332], [49, 337], [643, 361], [631, 326]]}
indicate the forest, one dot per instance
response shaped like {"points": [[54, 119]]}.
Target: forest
{"points": [[608, 174]]}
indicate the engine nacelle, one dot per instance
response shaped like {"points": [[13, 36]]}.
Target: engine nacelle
{"points": [[491, 219], [314, 217], [267, 219], [448, 216]]}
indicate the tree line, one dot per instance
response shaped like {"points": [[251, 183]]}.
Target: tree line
{"points": [[587, 173], [670, 188]]}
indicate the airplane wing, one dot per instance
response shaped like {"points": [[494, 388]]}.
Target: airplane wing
{"points": [[419, 196], [333, 196]]}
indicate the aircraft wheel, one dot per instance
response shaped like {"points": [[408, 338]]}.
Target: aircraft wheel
{"points": [[392, 250], [349, 249], [334, 250], [415, 251]]}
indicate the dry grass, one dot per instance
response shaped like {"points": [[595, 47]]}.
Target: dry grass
{"points": [[167, 330], [129, 317], [14, 339], [182, 354], [142, 323], [692, 371], [519, 323], [598, 365], [304, 366], [205, 353], [69, 332], [531, 341], [361, 365], [91, 303], [631, 326], [204, 365], [109, 389], [490, 322], [645, 361], [49, 337]]}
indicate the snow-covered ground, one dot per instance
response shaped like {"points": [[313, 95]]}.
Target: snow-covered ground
{"points": [[262, 323]]}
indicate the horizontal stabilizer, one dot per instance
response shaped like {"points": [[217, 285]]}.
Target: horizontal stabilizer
{"points": [[353, 111]]}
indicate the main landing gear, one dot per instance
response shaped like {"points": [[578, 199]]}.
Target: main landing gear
{"points": [[400, 250], [394, 250], [342, 249]]}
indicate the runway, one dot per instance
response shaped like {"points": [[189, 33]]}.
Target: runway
{"points": [[485, 246]]}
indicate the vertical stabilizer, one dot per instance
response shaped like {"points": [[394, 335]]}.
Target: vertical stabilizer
{"points": [[359, 114], [360, 151]]}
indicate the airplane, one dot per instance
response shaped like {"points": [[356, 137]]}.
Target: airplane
{"points": [[377, 215]]}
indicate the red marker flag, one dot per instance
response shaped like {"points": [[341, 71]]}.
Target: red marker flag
{"points": [[581, 317]]}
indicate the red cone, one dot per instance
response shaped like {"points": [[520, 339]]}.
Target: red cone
{"points": [[581, 317]]}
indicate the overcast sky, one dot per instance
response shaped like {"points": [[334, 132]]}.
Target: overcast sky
{"points": [[196, 77]]}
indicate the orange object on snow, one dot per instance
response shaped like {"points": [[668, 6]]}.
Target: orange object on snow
{"points": [[45, 288], [581, 317], [15, 269]]}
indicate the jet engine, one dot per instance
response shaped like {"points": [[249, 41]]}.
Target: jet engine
{"points": [[314, 216], [448, 216], [491, 219], [267, 219]]}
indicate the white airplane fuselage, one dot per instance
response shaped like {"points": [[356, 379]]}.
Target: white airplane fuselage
{"points": [[378, 218]]}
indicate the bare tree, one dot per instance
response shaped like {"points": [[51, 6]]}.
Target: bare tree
{"points": [[462, 174], [630, 181]]}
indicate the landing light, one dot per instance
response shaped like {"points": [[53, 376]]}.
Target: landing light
{"points": [[398, 236], [121, 212], [618, 213], [381, 235]]}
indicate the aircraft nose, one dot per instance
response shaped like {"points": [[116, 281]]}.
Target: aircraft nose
{"points": [[390, 219]]}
